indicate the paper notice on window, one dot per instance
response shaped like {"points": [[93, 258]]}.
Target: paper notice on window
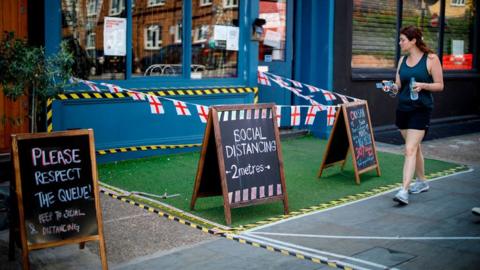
{"points": [[115, 36], [457, 47], [220, 32], [272, 20], [232, 38], [273, 39]]}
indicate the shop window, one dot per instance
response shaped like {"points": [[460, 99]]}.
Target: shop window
{"points": [[215, 42], [155, 3], [375, 32], [425, 17], [459, 36], [81, 32], [157, 46], [153, 37], [159, 51], [205, 3]]}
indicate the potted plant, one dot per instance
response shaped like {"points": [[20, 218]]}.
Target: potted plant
{"points": [[27, 70]]}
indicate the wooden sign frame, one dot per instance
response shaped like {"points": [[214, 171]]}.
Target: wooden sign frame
{"points": [[27, 247], [341, 128], [213, 129]]}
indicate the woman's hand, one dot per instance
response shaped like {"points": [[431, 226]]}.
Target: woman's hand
{"points": [[420, 86]]}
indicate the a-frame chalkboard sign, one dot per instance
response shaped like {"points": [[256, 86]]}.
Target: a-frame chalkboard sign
{"points": [[352, 131], [241, 158], [57, 191]]}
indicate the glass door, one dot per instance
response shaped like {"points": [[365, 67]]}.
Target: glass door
{"points": [[275, 50]]}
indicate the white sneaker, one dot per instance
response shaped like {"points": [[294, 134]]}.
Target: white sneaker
{"points": [[401, 197], [476, 211], [418, 187]]}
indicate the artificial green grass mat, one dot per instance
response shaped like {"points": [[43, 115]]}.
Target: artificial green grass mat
{"points": [[302, 158]]}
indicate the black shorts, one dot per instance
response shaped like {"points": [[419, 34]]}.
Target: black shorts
{"points": [[416, 119]]}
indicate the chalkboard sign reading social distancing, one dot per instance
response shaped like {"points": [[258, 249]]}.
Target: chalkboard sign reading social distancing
{"points": [[56, 189], [241, 158], [352, 131]]}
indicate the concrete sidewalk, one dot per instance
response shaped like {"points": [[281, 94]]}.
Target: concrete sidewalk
{"points": [[138, 239]]}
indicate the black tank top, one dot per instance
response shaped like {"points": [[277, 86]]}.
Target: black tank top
{"points": [[420, 73]]}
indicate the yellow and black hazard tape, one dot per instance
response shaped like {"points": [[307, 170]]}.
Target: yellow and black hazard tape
{"points": [[156, 92], [145, 148], [160, 213], [343, 200], [227, 235]]}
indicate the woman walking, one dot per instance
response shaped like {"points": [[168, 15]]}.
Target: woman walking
{"points": [[419, 74]]}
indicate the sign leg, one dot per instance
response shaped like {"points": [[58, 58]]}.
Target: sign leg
{"points": [[357, 178], [103, 255], [228, 215], [26, 263]]}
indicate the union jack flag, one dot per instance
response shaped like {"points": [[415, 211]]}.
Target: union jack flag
{"points": [[295, 116], [202, 113], [263, 79], [181, 107], [156, 106]]}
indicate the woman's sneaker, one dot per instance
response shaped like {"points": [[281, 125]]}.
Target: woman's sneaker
{"points": [[401, 197], [418, 187], [476, 211]]}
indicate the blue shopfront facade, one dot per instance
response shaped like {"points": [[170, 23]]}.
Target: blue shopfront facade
{"points": [[128, 129], [342, 46]]}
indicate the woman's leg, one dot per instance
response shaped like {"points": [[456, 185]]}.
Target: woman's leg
{"points": [[413, 137], [420, 164]]}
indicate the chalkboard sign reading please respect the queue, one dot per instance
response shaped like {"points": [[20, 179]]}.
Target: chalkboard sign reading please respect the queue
{"points": [[242, 147], [352, 131], [56, 188]]}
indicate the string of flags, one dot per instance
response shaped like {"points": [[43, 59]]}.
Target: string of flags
{"points": [[294, 113], [308, 92]]}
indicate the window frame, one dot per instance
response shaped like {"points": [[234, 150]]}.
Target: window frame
{"points": [[150, 3], [92, 4], [121, 8], [381, 73], [197, 33], [158, 40], [204, 3], [456, 4], [230, 3], [89, 37]]}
